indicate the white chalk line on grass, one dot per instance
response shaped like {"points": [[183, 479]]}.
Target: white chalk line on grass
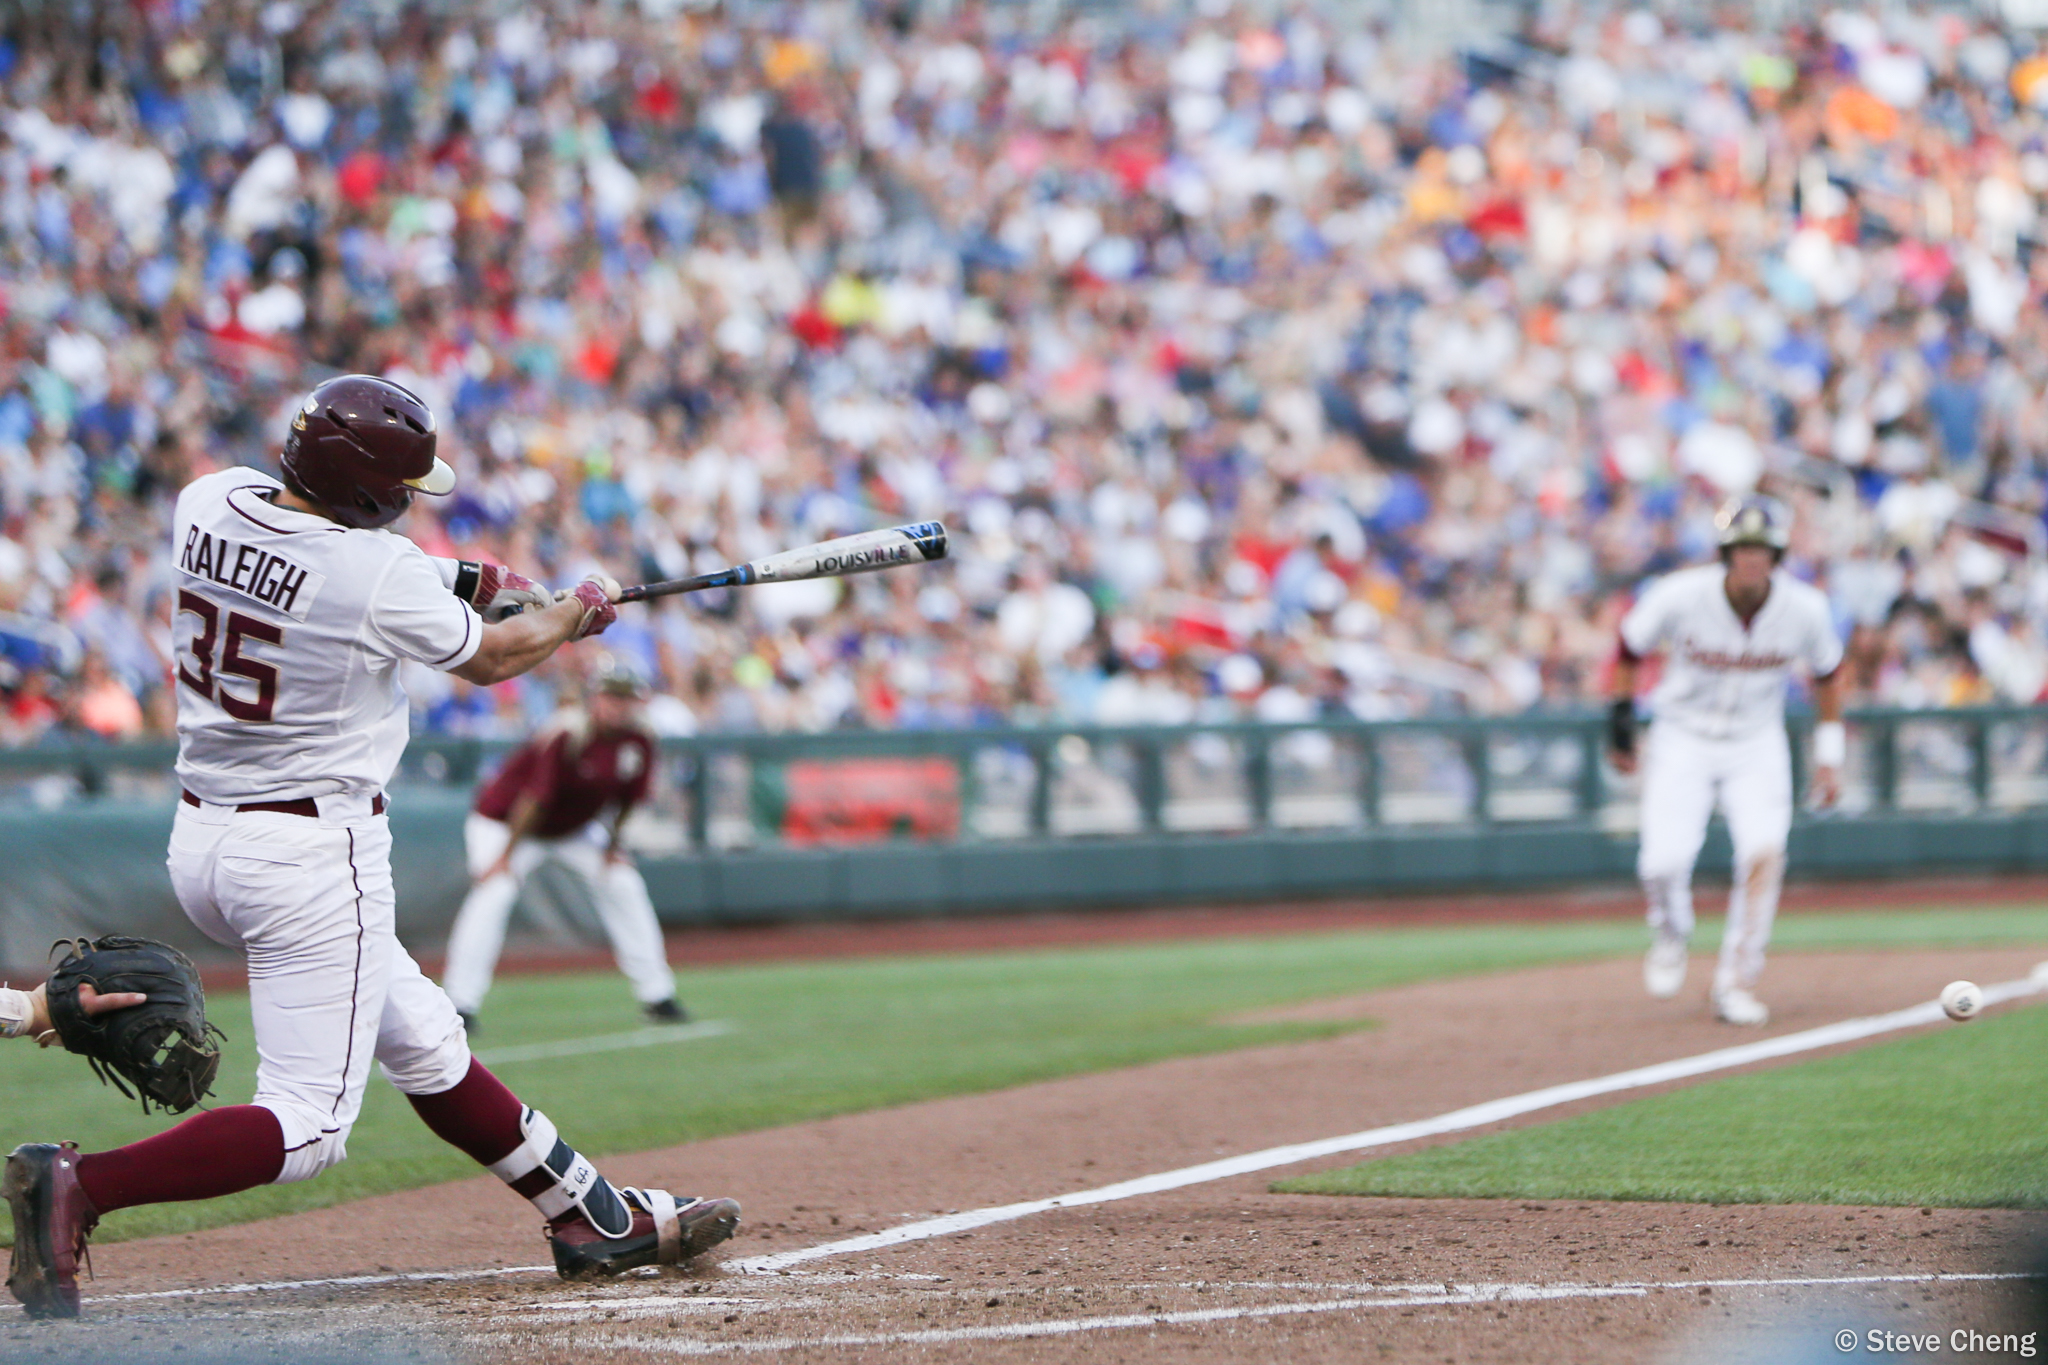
{"points": [[607, 1042], [1493, 1111], [1406, 1297], [1458, 1120]]}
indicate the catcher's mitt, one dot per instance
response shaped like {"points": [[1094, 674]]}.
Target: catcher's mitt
{"points": [[164, 1047]]}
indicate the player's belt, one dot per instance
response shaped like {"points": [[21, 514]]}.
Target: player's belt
{"points": [[305, 805]]}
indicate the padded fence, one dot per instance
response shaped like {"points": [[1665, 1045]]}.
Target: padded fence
{"points": [[873, 824]]}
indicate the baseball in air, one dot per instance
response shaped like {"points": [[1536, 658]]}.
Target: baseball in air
{"points": [[1962, 1000]]}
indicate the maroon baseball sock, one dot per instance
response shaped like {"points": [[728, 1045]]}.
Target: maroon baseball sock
{"points": [[479, 1115], [206, 1156]]}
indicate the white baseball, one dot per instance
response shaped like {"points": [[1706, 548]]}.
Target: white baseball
{"points": [[1961, 1000]]}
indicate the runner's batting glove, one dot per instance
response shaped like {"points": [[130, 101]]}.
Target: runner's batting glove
{"points": [[597, 594], [497, 592], [1621, 725]]}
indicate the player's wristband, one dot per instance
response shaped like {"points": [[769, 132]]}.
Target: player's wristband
{"points": [[1621, 725], [1830, 744], [469, 574]]}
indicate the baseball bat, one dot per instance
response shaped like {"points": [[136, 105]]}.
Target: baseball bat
{"points": [[917, 543]]}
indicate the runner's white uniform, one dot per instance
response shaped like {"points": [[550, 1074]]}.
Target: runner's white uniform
{"points": [[1719, 732], [289, 632]]}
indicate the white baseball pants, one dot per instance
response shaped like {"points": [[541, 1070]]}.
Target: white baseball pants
{"points": [[309, 904], [1684, 776], [616, 889]]}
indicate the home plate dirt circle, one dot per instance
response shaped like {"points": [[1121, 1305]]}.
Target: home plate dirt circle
{"points": [[1223, 1270]]}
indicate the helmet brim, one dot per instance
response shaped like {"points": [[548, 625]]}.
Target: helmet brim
{"points": [[436, 482]]}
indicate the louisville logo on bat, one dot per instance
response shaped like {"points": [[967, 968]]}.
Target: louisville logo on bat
{"points": [[924, 540]]}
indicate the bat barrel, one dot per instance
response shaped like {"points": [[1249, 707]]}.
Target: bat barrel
{"points": [[928, 536], [917, 542]]}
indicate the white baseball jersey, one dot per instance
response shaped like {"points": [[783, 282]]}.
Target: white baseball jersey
{"points": [[289, 633], [1722, 679]]}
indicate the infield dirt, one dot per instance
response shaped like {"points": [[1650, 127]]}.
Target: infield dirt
{"points": [[1269, 1277]]}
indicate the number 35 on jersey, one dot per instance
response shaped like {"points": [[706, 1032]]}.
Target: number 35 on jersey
{"points": [[219, 648]]}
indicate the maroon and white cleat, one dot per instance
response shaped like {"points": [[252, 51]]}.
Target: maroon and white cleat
{"points": [[52, 1219], [665, 1231]]}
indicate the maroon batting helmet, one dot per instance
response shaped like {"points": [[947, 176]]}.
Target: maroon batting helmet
{"points": [[361, 446]]}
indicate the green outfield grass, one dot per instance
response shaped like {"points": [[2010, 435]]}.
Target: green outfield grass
{"points": [[815, 1039], [1956, 1117]]}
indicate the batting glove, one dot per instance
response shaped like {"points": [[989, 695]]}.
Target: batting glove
{"points": [[597, 594], [497, 592]]}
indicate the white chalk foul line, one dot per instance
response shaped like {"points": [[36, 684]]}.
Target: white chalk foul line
{"points": [[449, 1276], [624, 1311], [607, 1042], [1419, 1296], [455, 1276], [335, 1282], [1458, 1120], [1051, 1327]]}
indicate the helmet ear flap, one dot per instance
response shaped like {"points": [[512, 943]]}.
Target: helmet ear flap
{"points": [[370, 507]]}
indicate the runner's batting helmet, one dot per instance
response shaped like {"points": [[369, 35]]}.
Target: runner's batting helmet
{"points": [[360, 447], [1754, 520]]}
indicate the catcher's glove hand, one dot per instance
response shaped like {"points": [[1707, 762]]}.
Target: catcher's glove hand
{"points": [[164, 1047]]}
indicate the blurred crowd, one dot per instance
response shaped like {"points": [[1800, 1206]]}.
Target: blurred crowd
{"points": [[1265, 361]]}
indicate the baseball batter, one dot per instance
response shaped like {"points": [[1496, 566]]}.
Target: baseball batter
{"points": [[1731, 633], [549, 803], [295, 610]]}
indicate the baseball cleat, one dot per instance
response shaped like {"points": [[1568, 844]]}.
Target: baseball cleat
{"points": [[52, 1218], [1737, 1006], [669, 1011], [665, 1231], [1664, 968]]}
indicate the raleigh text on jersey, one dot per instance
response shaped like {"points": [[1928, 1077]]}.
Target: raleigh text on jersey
{"points": [[252, 571]]}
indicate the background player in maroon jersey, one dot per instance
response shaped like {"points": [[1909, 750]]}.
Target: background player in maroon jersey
{"points": [[562, 797]]}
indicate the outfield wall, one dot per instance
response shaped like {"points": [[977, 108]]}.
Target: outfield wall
{"points": [[762, 828], [91, 869]]}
